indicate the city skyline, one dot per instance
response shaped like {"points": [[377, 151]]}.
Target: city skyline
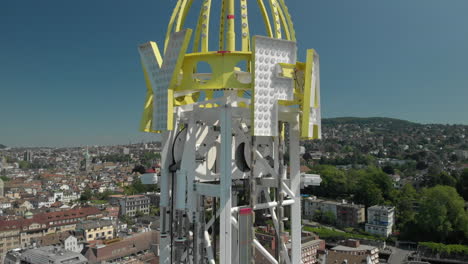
{"points": [[72, 75]]}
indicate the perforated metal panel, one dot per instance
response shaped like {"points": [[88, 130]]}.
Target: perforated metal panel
{"points": [[164, 76], [268, 87]]}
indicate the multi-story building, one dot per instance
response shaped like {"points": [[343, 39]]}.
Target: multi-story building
{"points": [[312, 205], [72, 241], [351, 251], [346, 214], [96, 229], [380, 220], [27, 156], [154, 198], [350, 214], [23, 232], [45, 255], [65, 197], [131, 204], [139, 244], [9, 238], [310, 248]]}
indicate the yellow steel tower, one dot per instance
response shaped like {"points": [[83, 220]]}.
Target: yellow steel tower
{"points": [[231, 117]]}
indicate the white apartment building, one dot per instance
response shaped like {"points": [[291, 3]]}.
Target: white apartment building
{"points": [[380, 220]]}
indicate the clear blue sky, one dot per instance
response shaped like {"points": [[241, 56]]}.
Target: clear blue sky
{"points": [[70, 72]]}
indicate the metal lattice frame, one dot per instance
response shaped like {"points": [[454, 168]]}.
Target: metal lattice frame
{"points": [[217, 172]]}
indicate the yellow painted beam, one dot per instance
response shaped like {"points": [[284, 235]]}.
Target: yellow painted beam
{"points": [[146, 123], [292, 32], [222, 66], [311, 98], [205, 31], [276, 18], [245, 26], [171, 23], [183, 14], [221, 25], [266, 19], [231, 29], [287, 70], [284, 23]]}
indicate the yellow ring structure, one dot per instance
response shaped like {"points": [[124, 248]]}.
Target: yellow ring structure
{"points": [[224, 62]]}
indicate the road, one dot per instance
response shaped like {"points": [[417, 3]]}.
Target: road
{"points": [[398, 255]]}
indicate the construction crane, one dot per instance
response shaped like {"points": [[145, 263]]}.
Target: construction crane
{"points": [[230, 118]]}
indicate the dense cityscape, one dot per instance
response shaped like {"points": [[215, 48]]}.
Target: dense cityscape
{"points": [[391, 190]]}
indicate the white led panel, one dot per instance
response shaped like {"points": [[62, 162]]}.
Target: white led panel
{"points": [[162, 78], [315, 115], [268, 87]]}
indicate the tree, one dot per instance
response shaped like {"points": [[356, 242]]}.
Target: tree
{"points": [[442, 178], [139, 168], [388, 169], [407, 196], [328, 218], [334, 182], [128, 220], [23, 164], [462, 186], [139, 214], [442, 217], [368, 193], [421, 165], [86, 195], [4, 178], [154, 210]]}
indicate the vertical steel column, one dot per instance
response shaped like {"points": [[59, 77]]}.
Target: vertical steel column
{"points": [[245, 235], [165, 243], [225, 185], [231, 34], [296, 189]]}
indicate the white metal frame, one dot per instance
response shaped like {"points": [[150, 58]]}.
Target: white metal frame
{"points": [[187, 235]]}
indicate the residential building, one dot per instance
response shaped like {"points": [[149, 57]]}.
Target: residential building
{"points": [[131, 204], [72, 241], [9, 238], [154, 198], [380, 220], [96, 229], [352, 251], [27, 156], [144, 243], [346, 214], [312, 205], [23, 232], [45, 255], [350, 215], [310, 248], [65, 197]]}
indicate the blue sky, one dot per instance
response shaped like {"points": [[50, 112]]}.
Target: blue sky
{"points": [[70, 72]]}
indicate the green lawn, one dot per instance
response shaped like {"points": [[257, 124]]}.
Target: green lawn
{"points": [[329, 233]]}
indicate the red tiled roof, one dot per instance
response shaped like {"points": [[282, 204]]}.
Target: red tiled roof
{"points": [[47, 218], [131, 245]]}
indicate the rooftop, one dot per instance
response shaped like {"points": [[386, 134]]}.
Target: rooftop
{"points": [[350, 249], [52, 255]]}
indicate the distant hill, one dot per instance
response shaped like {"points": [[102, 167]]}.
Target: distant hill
{"points": [[3, 146], [366, 121]]}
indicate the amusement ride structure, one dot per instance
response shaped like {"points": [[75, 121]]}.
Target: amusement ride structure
{"points": [[230, 119]]}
